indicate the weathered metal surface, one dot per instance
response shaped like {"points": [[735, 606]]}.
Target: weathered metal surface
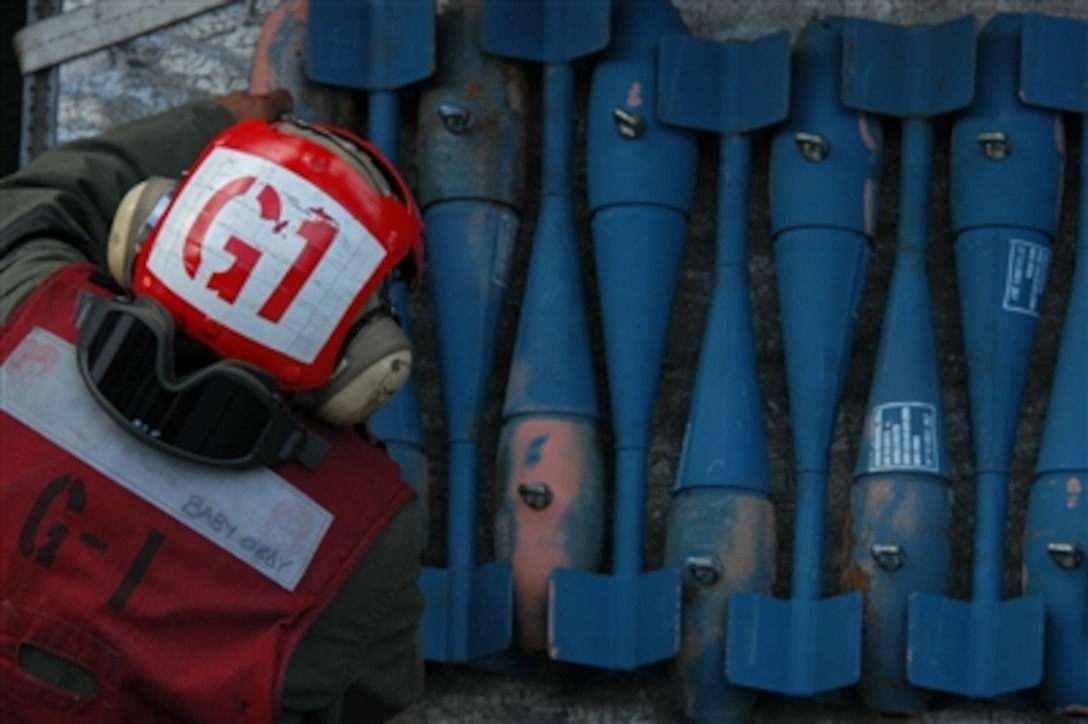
{"points": [[469, 243], [918, 71], [1054, 549], [472, 177], [472, 128], [551, 379], [60, 37], [373, 45], [897, 544], [724, 455], [555, 31], [724, 541], [1054, 74], [39, 100], [640, 176], [632, 158], [551, 512], [827, 158], [211, 54], [913, 74], [826, 163], [469, 611], [279, 61], [989, 647], [207, 54], [769, 643]]}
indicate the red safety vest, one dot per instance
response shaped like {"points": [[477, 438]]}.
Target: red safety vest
{"points": [[172, 626]]}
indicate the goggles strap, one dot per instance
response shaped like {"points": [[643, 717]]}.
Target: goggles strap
{"points": [[306, 447]]}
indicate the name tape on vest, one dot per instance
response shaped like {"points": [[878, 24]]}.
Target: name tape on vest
{"points": [[255, 515]]}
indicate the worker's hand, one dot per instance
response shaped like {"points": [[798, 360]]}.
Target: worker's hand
{"points": [[267, 106]]}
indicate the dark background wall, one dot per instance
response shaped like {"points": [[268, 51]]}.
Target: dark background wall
{"points": [[12, 17]]}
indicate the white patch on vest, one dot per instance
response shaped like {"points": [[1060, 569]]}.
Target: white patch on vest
{"points": [[326, 294], [255, 515]]}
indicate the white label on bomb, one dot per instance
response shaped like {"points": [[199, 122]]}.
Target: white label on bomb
{"points": [[506, 233], [903, 436], [1029, 264]]}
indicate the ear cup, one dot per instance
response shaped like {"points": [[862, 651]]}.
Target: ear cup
{"points": [[376, 363], [137, 214]]}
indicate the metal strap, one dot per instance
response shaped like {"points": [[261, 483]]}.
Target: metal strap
{"points": [[69, 35]]}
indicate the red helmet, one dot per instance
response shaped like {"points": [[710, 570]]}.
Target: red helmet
{"points": [[272, 243]]}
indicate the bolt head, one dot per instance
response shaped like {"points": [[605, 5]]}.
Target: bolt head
{"points": [[995, 145], [629, 125], [456, 119], [889, 557], [537, 496], [1067, 556], [813, 147], [706, 570]]}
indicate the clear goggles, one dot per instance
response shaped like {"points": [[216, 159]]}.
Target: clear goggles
{"points": [[177, 396]]}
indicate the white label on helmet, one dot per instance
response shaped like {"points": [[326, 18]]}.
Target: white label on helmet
{"points": [[264, 252], [255, 515]]}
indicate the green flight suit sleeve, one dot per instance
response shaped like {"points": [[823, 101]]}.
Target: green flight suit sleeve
{"points": [[362, 660], [59, 207]]}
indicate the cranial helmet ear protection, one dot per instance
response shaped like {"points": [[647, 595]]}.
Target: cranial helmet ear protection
{"points": [[332, 191], [376, 363], [140, 210]]}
